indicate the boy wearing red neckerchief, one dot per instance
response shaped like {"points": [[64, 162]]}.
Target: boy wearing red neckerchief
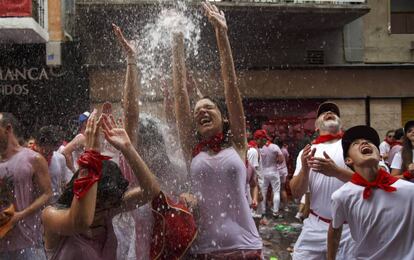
{"points": [[321, 170], [377, 207]]}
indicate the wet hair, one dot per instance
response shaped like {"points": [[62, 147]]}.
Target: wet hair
{"points": [[111, 186], [151, 145], [406, 152], [48, 135], [399, 133], [224, 116], [9, 118]]}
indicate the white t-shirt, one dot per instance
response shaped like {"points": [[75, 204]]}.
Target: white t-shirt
{"points": [[253, 157], [384, 148], [397, 161], [59, 174], [382, 225], [321, 187], [268, 155]]}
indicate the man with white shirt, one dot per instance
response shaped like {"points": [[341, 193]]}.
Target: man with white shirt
{"points": [[321, 170], [270, 156], [377, 207]]}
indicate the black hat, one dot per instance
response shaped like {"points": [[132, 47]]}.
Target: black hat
{"points": [[328, 106], [408, 125], [359, 132]]}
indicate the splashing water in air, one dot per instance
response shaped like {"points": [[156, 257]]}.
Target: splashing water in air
{"points": [[154, 44]]}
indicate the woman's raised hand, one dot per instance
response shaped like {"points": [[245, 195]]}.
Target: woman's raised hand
{"points": [[215, 16], [115, 135], [129, 48], [92, 131]]}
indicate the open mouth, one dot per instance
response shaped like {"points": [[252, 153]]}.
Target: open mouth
{"points": [[205, 121], [366, 150]]}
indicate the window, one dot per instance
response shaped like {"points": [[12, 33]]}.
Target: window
{"points": [[402, 16]]}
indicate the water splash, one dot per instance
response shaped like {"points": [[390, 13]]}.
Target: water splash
{"points": [[154, 44]]}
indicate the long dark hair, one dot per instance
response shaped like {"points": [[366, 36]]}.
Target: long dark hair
{"points": [[111, 186], [406, 153], [222, 107]]}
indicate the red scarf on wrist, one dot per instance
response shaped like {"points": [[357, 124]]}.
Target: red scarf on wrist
{"points": [[383, 181], [92, 161], [326, 138], [214, 144]]}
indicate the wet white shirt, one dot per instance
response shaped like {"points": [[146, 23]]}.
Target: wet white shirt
{"points": [[59, 174], [321, 187], [253, 157], [382, 225], [384, 148], [397, 161]]}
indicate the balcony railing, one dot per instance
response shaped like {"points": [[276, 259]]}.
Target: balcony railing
{"points": [[39, 11]]}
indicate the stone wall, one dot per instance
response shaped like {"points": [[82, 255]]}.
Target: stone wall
{"points": [[380, 45]]}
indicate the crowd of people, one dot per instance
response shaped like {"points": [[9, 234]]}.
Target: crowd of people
{"points": [[62, 200]]}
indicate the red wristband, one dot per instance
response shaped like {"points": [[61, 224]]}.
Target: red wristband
{"points": [[92, 161]]}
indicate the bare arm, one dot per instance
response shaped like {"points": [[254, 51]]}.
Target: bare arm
{"points": [[149, 186], [130, 102], [42, 179], [80, 215], [185, 122], [228, 73], [299, 184], [334, 237], [76, 143]]}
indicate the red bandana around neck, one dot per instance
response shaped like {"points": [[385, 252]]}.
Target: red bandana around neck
{"points": [[389, 143], [396, 143], [252, 144], [92, 161], [407, 175], [326, 138], [383, 181], [268, 143], [214, 144]]}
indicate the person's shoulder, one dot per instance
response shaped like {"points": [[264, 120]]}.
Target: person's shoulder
{"points": [[346, 190]]}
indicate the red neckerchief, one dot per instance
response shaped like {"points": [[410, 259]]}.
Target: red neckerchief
{"points": [[92, 161], [327, 138], [268, 143], [389, 143], [252, 144], [396, 143], [407, 175], [383, 181], [214, 144]]}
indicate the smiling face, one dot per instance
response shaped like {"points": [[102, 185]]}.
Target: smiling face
{"points": [[362, 152], [208, 118]]}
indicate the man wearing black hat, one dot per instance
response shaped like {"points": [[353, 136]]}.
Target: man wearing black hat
{"points": [[377, 207], [320, 168]]}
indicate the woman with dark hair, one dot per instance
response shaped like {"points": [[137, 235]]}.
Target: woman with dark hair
{"points": [[403, 162], [146, 136], [79, 225], [216, 155]]}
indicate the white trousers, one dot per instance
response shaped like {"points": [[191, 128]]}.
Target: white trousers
{"points": [[312, 241], [273, 179]]}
